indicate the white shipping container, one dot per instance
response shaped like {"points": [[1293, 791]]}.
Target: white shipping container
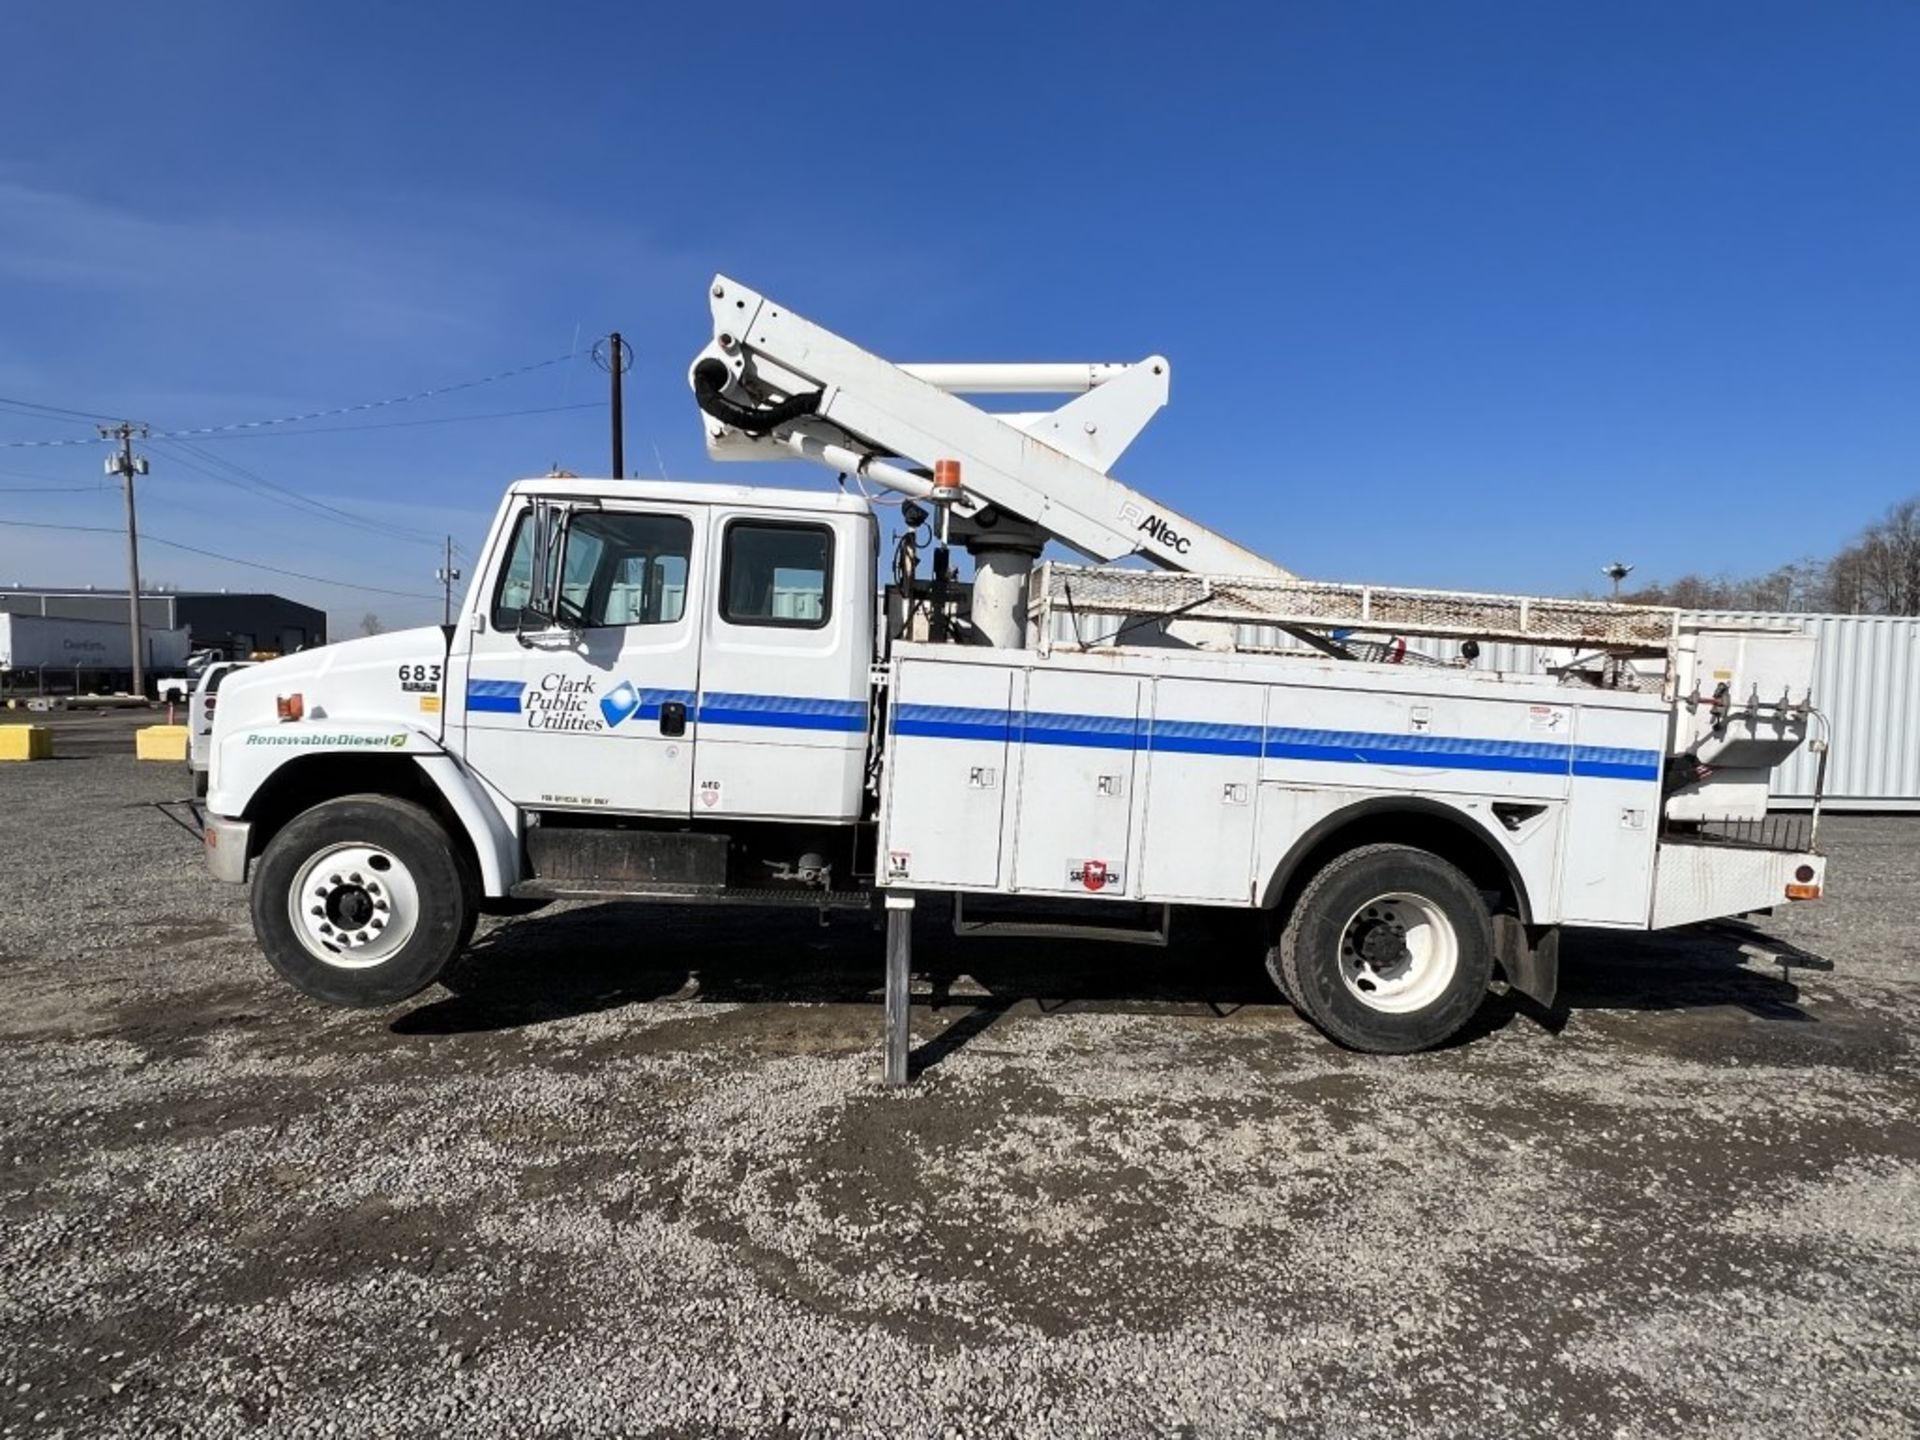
{"points": [[30, 643]]}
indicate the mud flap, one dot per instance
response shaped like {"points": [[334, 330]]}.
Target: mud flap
{"points": [[1529, 957]]}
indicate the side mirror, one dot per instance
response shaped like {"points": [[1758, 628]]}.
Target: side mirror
{"points": [[549, 522]]}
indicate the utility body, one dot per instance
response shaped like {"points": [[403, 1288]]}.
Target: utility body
{"points": [[700, 692]]}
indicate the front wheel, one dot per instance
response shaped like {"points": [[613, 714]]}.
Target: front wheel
{"points": [[1389, 949], [362, 901]]}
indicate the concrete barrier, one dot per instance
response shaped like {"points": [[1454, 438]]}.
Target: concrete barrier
{"points": [[161, 742], [26, 742]]}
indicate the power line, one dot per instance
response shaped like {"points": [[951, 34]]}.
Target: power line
{"points": [[34, 406], [392, 424], [49, 489], [251, 482], [214, 555], [238, 426], [320, 429]]}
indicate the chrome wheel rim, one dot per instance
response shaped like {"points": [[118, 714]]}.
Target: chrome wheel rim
{"points": [[353, 906], [1398, 953]]}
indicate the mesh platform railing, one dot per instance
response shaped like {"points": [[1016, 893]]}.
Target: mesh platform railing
{"points": [[1370, 609]]}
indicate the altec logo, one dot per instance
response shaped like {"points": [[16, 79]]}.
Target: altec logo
{"points": [[1155, 528]]}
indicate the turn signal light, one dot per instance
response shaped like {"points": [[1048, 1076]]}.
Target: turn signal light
{"points": [[1803, 892], [292, 707]]}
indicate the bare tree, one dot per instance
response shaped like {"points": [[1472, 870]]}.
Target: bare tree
{"points": [[370, 624], [1880, 572], [1877, 574]]}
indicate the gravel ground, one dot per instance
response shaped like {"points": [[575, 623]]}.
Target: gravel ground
{"points": [[631, 1172]]}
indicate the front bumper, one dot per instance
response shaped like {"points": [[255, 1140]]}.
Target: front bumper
{"points": [[226, 842]]}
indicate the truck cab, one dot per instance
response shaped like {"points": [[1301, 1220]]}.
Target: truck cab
{"points": [[708, 653]]}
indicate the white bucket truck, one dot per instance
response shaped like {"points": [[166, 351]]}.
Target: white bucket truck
{"points": [[697, 692]]}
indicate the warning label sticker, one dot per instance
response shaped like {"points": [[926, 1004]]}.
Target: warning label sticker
{"points": [[1095, 875]]}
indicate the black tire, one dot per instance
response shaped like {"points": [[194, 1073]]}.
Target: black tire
{"points": [[1338, 906], [443, 899]]}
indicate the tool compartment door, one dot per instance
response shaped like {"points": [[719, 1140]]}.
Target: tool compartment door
{"points": [[946, 775], [1203, 784], [1079, 736]]}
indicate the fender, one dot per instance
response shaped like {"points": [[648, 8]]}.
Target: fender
{"points": [[492, 822], [249, 755], [1527, 953], [1376, 814], [251, 758]]}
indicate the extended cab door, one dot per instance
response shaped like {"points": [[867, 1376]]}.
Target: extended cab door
{"points": [[599, 716], [784, 670]]}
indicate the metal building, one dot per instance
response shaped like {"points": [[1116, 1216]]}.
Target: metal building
{"points": [[1866, 682], [235, 623]]}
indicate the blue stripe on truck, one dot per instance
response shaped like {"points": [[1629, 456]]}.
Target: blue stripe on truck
{"points": [[1279, 742]]}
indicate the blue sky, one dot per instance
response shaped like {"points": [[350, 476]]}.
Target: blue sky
{"points": [[1474, 295]]}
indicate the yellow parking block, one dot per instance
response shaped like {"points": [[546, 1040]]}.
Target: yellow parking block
{"points": [[161, 742], [26, 742]]}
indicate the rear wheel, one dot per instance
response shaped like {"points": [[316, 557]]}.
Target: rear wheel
{"points": [[362, 901], [1389, 949]]}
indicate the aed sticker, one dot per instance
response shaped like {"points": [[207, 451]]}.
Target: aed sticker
{"points": [[429, 704], [899, 864], [710, 793], [1545, 717], [1094, 875]]}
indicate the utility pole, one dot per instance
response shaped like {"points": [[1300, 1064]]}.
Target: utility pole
{"points": [[124, 463], [616, 361], [1616, 572], [446, 575]]}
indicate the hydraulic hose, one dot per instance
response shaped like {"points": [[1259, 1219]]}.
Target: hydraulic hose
{"points": [[710, 377]]}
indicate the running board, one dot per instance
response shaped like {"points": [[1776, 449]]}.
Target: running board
{"points": [[597, 888], [1013, 924]]}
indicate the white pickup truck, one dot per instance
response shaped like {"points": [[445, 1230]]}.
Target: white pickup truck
{"points": [[699, 692]]}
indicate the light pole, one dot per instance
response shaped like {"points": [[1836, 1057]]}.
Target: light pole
{"points": [[124, 463], [446, 575]]}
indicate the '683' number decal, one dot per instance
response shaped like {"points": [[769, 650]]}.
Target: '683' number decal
{"points": [[423, 678]]}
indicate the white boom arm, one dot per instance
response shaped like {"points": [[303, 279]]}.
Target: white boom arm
{"points": [[773, 385]]}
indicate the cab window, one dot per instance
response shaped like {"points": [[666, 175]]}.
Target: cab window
{"points": [[621, 568], [777, 574]]}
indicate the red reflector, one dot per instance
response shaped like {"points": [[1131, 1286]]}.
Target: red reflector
{"points": [[1803, 892]]}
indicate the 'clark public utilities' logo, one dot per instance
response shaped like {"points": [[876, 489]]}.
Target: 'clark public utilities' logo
{"points": [[1095, 875], [620, 702]]}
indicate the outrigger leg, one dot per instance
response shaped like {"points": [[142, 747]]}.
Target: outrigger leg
{"points": [[899, 973]]}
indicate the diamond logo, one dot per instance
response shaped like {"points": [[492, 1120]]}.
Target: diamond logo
{"points": [[620, 702]]}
